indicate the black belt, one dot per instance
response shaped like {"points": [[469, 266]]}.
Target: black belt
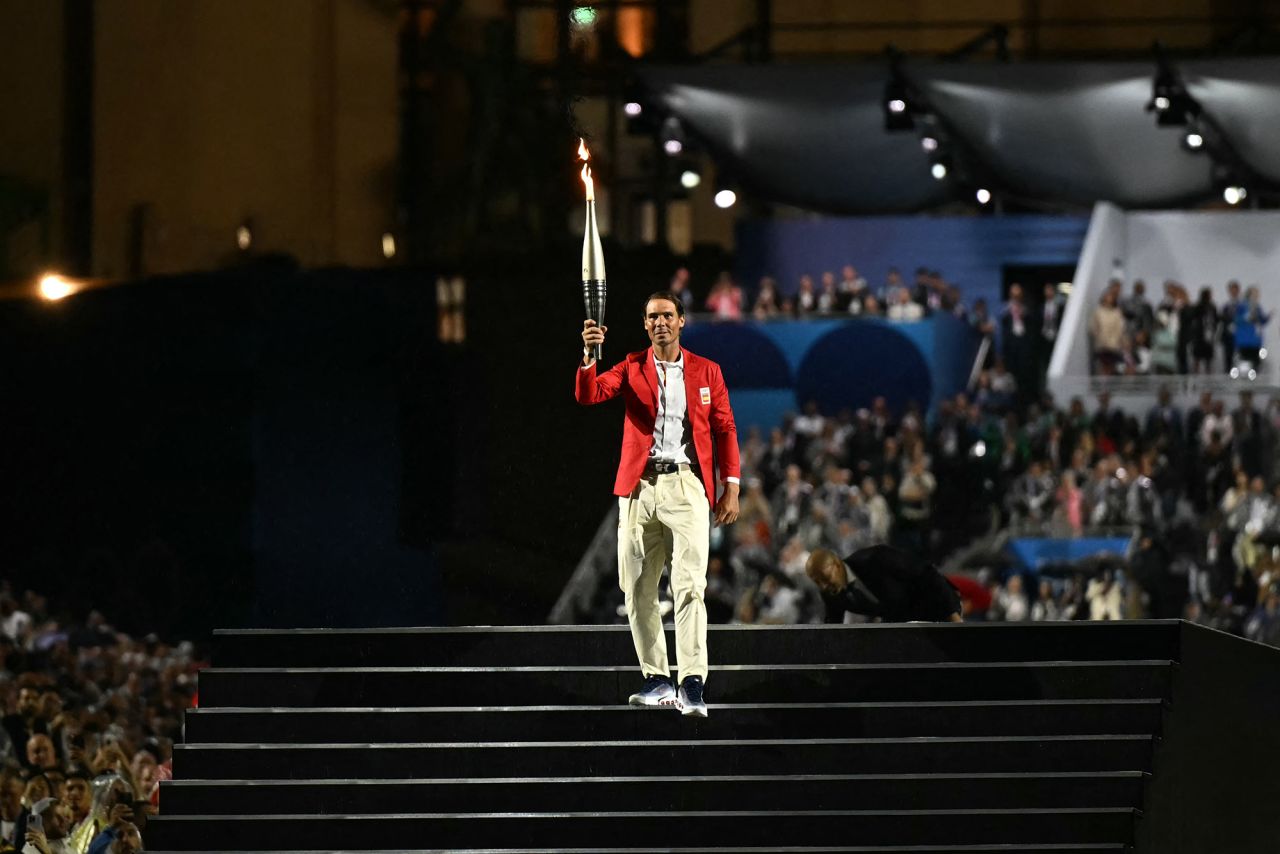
{"points": [[655, 467]]}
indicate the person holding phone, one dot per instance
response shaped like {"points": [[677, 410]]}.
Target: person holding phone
{"points": [[47, 828]]}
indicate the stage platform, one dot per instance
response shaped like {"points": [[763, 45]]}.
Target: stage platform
{"points": [[881, 739]]}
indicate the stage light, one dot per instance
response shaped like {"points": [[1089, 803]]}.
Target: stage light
{"points": [[726, 198], [1234, 194], [929, 143], [1262, 354], [897, 103], [388, 245], [979, 449], [690, 178], [54, 287], [1193, 140], [938, 170], [672, 136], [1253, 375], [633, 109], [1235, 373], [583, 16], [1170, 100], [983, 195], [244, 237]]}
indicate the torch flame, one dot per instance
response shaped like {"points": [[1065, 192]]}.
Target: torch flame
{"points": [[586, 170]]}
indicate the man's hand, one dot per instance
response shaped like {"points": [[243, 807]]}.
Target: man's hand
{"points": [[726, 509], [121, 814], [592, 334], [36, 839]]}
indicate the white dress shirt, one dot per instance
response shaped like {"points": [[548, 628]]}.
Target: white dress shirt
{"points": [[671, 429]]}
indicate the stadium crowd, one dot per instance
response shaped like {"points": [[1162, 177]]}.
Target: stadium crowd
{"points": [[1178, 336], [91, 716]]}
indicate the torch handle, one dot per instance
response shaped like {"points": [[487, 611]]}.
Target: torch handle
{"points": [[593, 297]]}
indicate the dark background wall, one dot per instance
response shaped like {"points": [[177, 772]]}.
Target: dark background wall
{"points": [[262, 446], [228, 449]]}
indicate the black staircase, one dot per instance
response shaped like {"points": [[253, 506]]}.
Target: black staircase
{"points": [[916, 738]]}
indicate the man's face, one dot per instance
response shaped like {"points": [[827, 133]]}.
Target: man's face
{"points": [[40, 751], [28, 702], [662, 322], [57, 821], [11, 799], [78, 795]]}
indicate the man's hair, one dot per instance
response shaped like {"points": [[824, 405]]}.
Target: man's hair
{"points": [[667, 295], [815, 567]]}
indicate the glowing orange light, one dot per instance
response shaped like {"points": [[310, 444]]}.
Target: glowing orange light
{"points": [[54, 287], [587, 181]]}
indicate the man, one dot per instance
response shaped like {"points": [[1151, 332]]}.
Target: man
{"points": [[11, 789], [40, 754], [678, 429], [883, 582], [52, 839], [26, 718], [1227, 325], [79, 795]]}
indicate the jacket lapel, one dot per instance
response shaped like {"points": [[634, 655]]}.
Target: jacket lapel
{"points": [[651, 376], [692, 401]]}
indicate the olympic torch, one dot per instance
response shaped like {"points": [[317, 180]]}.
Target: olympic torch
{"points": [[593, 279]]}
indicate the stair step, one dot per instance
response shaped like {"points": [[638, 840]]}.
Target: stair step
{"points": [[644, 758], [897, 827], [773, 849], [456, 686], [515, 646], [736, 720], [658, 793]]}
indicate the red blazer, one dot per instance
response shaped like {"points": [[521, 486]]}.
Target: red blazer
{"points": [[715, 438]]}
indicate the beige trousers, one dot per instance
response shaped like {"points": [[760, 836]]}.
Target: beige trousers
{"points": [[666, 514]]}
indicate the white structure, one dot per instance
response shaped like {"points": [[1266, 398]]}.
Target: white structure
{"points": [[1194, 249]]}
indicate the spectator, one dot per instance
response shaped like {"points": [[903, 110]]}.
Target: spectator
{"points": [[853, 289], [1227, 325], [1250, 320], [1047, 608], [1011, 602], [766, 304], [11, 790], [1263, 624], [1138, 314], [829, 297], [1019, 340], [905, 308], [15, 624], [1167, 352], [892, 285], [52, 838], [680, 285], [1107, 331], [806, 299], [725, 299], [1203, 332], [1050, 322]]}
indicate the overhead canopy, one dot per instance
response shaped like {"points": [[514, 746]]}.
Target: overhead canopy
{"points": [[1069, 133]]}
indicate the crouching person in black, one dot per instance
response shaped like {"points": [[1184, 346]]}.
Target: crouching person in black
{"points": [[883, 582]]}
